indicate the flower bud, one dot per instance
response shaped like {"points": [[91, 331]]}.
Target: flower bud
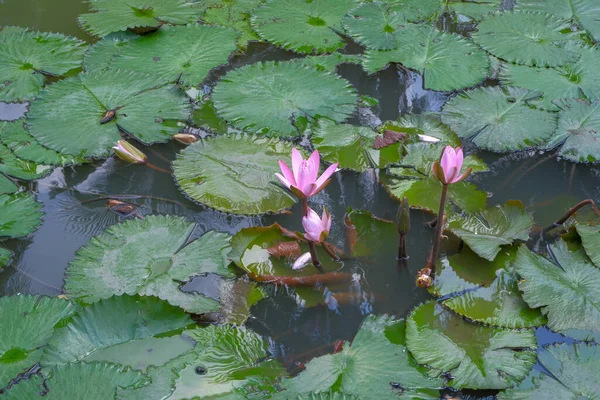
{"points": [[185, 138], [403, 217], [127, 152]]}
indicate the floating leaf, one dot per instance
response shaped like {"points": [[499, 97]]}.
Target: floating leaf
{"points": [[373, 25], [499, 119], [234, 14], [567, 289], [415, 181], [328, 62], [569, 371], [27, 57], [446, 61], [95, 381], [20, 215], [578, 130], [115, 15], [590, 238], [12, 165], [237, 298], [476, 356], [269, 97], [352, 146], [28, 324], [486, 231], [150, 257], [526, 38], [424, 124], [236, 174], [111, 322], [372, 367], [7, 186], [372, 233], [571, 81], [301, 25], [583, 12], [5, 257], [183, 54], [472, 9], [416, 10], [100, 55], [67, 116]]}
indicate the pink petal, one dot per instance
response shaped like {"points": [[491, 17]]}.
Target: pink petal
{"points": [[313, 165], [326, 220], [312, 237], [296, 162], [310, 189], [287, 172], [303, 178], [326, 175], [286, 183]]}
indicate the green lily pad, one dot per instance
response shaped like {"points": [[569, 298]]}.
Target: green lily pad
{"points": [[237, 298], [416, 10], [352, 146], [269, 97], [527, 38], [329, 62], [571, 81], [499, 119], [578, 131], [30, 152], [234, 14], [472, 10], [94, 381], [486, 231], [237, 174], [66, 116], [28, 324], [370, 368], [446, 61], [590, 238], [567, 289], [484, 291], [429, 124], [20, 215], [116, 321], [415, 181], [150, 257], [313, 396], [373, 25], [115, 15], [26, 57], [305, 26], [7, 186], [583, 12], [476, 356], [16, 167], [372, 233], [570, 371], [5, 257], [182, 54], [100, 55]]}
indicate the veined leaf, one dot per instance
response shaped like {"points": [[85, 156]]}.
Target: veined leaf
{"points": [[373, 25], [20, 215], [234, 14]]}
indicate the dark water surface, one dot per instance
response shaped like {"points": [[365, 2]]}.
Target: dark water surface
{"points": [[74, 201]]}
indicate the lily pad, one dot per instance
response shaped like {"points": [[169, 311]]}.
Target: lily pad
{"points": [[429, 124], [416, 10], [115, 15], [583, 12], [269, 97], [571, 81], [329, 62], [27, 57], [100, 55], [150, 257], [236, 174], [66, 117], [111, 322], [484, 291], [446, 61], [5, 257], [486, 231], [527, 38], [7, 186], [305, 26], [94, 381], [415, 181], [16, 167], [590, 238], [373, 25], [20, 215], [578, 131], [472, 10], [28, 324], [375, 363], [234, 14], [499, 119], [182, 54], [476, 356], [567, 287], [372, 233], [352, 146], [237, 298], [569, 371]]}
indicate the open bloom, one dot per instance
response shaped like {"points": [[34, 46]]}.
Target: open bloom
{"points": [[302, 178], [447, 170], [128, 152], [317, 228]]}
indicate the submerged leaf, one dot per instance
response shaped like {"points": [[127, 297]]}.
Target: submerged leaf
{"points": [[268, 98], [5, 257], [20, 215], [329, 62]]}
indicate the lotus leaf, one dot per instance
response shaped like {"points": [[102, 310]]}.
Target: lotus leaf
{"points": [[20, 215]]}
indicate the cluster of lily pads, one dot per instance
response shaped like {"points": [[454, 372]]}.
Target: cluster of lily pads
{"points": [[124, 327]]}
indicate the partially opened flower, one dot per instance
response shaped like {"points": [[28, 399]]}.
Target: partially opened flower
{"points": [[128, 152], [302, 178], [447, 170], [317, 228]]}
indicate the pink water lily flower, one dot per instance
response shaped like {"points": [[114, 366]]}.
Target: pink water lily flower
{"points": [[302, 178], [447, 170], [317, 228]]}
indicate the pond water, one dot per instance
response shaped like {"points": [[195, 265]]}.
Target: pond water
{"points": [[74, 202]]}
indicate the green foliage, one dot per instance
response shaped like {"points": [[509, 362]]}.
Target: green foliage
{"points": [[269, 98], [5, 257], [372, 233], [20, 215], [429, 124], [234, 14], [328, 62], [100, 55], [590, 238], [7, 186], [373, 25]]}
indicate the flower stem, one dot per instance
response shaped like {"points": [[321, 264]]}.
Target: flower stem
{"points": [[572, 211], [159, 169], [305, 207], [402, 255], [439, 229], [313, 255]]}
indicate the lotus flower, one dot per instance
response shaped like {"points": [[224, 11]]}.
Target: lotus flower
{"points": [[317, 228], [302, 180], [447, 170], [127, 152]]}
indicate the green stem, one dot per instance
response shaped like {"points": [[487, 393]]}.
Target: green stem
{"points": [[439, 229], [305, 207], [313, 255], [572, 211], [402, 255]]}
